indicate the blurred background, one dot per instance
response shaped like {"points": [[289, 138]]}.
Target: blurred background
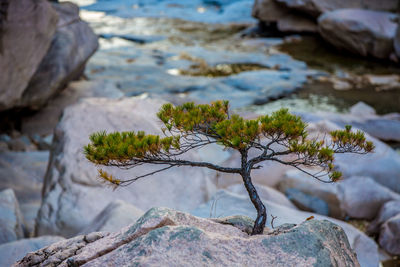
{"points": [[71, 68]]}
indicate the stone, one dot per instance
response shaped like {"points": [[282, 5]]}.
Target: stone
{"points": [[396, 42], [383, 165], [115, 216], [229, 204], [24, 172], [13, 251], [387, 211], [26, 34], [307, 202], [362, 197], [11, 220], [265, 192], [287, 20], [389, 237], [73, 43], [72, 195], [163, 236], [363, 32], [318, 7], [45, 120]]}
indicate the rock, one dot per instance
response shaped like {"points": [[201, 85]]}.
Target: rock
{"points": [[3, 146], [13, 251], [24, 172], [389, 237], [229, 204], [73, 43], [115, 216], [317, 7], [10, 217], [362, 197], [72, 196], [26, 35], [383, 82], [363, 32], [287, 21], [363, 117], [383, 165], [21, 143], [387, 211], [396, 42], [44, 121], [307, 202], [163, 236], [265, 192]]}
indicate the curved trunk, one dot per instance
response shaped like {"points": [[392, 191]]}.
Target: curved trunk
{"points": [[259, 223]]}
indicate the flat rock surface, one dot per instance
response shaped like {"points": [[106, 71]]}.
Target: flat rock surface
{"points": [[163, 236]]}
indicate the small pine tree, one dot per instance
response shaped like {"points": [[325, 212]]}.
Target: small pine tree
{"points": [[191, 126]]}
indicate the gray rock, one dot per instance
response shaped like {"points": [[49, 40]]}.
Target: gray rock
{"points": [[396, 42], [72, 195], [24, 172], [265, 192], [363, 32], [13, 251], [163, 236], [389, 237], [228, 204], [73, 43], [26, 35], [387, 211], [10, 217], [115, 216], [307, 202]]}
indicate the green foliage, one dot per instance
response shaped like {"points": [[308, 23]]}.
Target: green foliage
{"points": [[189, 122]]}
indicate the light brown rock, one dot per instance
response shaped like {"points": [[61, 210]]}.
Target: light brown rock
{"points": [[26, 33], [163, 236], [73, 196]]}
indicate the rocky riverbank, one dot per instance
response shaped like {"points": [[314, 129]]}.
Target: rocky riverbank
{"points": [[175, 51]]}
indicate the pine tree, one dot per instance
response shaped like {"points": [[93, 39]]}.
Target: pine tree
{"points": [[191, 126]]}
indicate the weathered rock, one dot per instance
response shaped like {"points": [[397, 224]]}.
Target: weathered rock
{"points": [[26, 31], [265, 192], [363, 32], [72, 194], [387, 211], [383, 165], [44, 121], [307, 202], [10, 217], [73, 43], [389, 237], [287, 20], [363, 117], [317, 7], [13, 251], [115, 216], [355, 197], [228, 204], [24, 172], [362, 197], [163, 236]]}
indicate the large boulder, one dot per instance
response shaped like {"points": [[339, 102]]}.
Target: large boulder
{"points": [[24, 173], [228, 204], [286, 20], [363, 32], [354, 197], [389, 237], [72, 195], [11, 220], [26, 31], [13, 251], [388, 210], [73, 43], [115, 216], [163, 236]]}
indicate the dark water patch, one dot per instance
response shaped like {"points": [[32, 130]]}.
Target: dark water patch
{"points": [[320, 55]]}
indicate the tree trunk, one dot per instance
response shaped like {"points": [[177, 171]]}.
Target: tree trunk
{"points": [[259, 224]]}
